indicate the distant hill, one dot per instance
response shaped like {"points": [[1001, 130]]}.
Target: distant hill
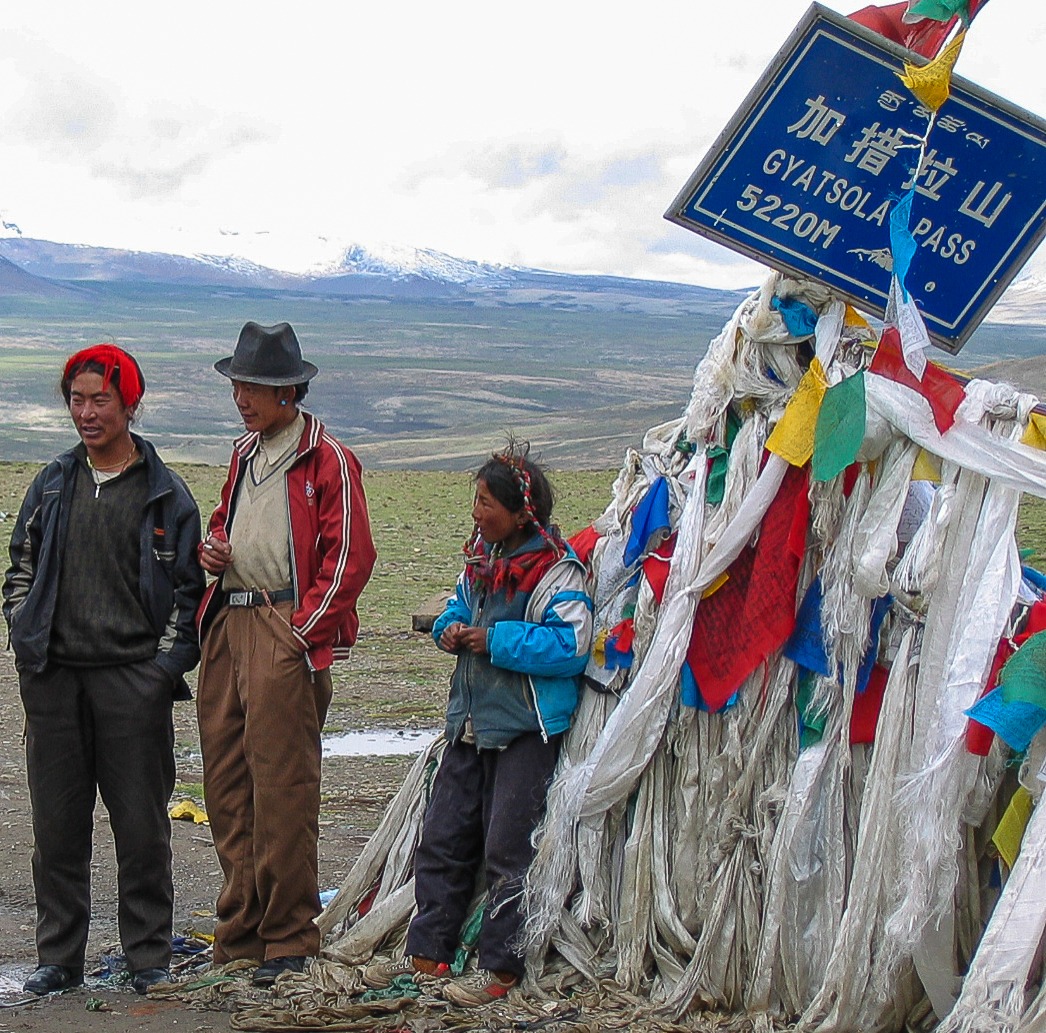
{"points": [[17, 282], [426, 360], [400, 274]]}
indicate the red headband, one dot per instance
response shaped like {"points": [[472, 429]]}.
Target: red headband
{"points": [[111, 358]]}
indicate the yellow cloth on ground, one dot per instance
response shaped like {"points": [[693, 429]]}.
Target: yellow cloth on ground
{"points": [[186, 810]]}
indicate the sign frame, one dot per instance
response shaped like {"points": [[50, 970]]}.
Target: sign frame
{"points": [[726, 226]]}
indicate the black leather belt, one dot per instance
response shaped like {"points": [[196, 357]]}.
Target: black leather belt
{"points": [[284, 595]]}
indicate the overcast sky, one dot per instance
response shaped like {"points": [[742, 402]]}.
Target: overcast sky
{"points": [[547, 134]]}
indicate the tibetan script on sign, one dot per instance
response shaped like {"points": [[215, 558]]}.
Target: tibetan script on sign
{"points": [[806, 174]]}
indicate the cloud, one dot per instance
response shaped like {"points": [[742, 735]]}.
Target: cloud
{"points": [[515, 164]]}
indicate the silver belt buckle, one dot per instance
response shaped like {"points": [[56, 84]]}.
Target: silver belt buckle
{"points": [[239, 598]]}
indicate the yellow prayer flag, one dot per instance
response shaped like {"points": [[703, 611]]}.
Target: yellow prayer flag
{"points": [[1007, 837], [931, 83], [851, 317], [793, 437], [1035, 432], [716, 585], [599, 651], [927, 467]]}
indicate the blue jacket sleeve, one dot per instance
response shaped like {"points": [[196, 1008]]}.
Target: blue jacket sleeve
{"points": [[458, 608], [556, 647]]}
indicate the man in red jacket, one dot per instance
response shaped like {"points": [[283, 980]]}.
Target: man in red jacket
{"points": [[291, 549]]}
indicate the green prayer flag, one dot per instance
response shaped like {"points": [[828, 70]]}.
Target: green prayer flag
{"points": [[811, 726], [840, 428], [715, 484], [941, 10], [1023, 677]]}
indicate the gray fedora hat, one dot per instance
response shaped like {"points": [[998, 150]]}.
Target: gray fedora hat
{"points": [[267, 355]]}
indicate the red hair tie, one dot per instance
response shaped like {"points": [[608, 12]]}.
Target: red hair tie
{"points": [[110, 358]]}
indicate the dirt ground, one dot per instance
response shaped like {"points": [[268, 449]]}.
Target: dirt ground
{"points": [[355, 792]]}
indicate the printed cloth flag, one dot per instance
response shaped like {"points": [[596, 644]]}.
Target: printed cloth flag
{"points": [[940, 10], [939, 388], [927, 467], [924, 37], [793, 436], [1010, 831], [715, 479], [1023, 676], [690, 694], [806, 647], [902, 244], [901, 312], [811, 726], [979, 737], [799, 318], [655, 567], [617, 647], [1035, 433], [839, 430], [650, 517], [924, 34], [1016, 723], [851, 317], [584, 542], [867, 705], [753, 613], [932, 83]]}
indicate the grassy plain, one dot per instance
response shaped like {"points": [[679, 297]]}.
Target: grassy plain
{"points": [[410, 385], [419, 520]]}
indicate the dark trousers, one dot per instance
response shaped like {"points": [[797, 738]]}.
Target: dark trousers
{"points": [[261, 712], [107, 729], [485, 805]]}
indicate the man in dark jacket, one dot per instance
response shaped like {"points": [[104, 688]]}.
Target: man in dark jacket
{"points": [[100, 600]]}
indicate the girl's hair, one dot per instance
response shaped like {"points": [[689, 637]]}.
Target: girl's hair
{"points": [[519, 483]]}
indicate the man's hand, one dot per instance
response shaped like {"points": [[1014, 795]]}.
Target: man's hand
{"points": [[215, 555]]}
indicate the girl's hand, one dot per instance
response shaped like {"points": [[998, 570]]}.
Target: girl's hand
{"points": [[450, 639], [473, 639]]}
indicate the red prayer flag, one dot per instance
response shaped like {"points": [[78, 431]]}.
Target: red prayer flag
{"points": [[925, 37], [939, 388], [753, 613], [584, 542], [655, 567], [865, 717]]}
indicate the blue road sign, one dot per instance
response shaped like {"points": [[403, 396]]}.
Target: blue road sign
{"points": [[805, 176]]}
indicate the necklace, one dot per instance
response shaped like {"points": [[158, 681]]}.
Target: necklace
{"points": [[113, 470]]}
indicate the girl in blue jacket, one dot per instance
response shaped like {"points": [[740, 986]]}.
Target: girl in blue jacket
{"points": [[520, 624]]}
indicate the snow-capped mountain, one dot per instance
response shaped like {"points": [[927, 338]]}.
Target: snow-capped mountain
{"points": [[399, 261], [387, 272]]}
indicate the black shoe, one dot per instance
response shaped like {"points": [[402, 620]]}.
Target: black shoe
{"points": [[49, 979], [143, 978], [267, 971]]}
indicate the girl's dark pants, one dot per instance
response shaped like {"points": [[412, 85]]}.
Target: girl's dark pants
{"points": [[485, 805]]}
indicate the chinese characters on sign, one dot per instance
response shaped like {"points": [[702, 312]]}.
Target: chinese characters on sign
{"points": [[806, 174]]}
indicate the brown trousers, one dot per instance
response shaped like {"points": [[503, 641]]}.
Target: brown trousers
{"points": [[261, 712]]}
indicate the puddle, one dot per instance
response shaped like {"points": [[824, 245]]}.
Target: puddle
{"points": [[12, 977], [379, 742]]}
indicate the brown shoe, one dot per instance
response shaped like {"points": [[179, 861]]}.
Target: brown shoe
{"points": [[382, 974], [479, 988]]}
